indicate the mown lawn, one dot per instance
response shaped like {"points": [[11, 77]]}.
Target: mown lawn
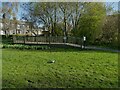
{"points": [[72, 68]]}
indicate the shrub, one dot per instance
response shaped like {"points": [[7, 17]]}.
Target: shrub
{"points": [[21, 47]]}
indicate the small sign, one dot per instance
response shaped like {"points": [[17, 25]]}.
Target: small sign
{"points": [[65, 38], [84, 38]]}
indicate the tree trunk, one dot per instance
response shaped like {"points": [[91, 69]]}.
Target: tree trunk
{"points": [[55, 19]]}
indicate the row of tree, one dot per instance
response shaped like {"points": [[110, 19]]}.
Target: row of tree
{"points": [[90, 19], [70, 18]]}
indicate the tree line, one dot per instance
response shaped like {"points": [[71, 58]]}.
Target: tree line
{"points": [[90, 19]]}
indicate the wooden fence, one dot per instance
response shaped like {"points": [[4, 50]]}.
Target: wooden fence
{"points": [[46, 40]]}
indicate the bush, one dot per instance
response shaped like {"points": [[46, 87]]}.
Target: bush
{"points": [[21, 47]]}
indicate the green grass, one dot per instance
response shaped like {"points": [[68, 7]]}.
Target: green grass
{"points": [[72, 68]]}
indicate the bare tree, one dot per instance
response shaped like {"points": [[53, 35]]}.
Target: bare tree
{"points": [[9, 9]]}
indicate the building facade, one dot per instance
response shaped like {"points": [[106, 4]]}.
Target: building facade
{"points": [[11, 27]]}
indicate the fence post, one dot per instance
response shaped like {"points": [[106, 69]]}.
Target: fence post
{"points": [[24, 39], [37, 39], [14, 39], [46, 41], [64, 39]]}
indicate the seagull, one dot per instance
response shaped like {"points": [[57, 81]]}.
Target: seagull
{"points": [[51, 61]]}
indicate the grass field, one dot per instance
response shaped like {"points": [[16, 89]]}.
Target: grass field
{"points": [[72, 68]]}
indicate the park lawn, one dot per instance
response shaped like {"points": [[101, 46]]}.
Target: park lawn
{"points": [[72, 69]]}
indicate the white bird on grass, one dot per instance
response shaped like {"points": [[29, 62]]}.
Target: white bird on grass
{"points": [[51, 61]]}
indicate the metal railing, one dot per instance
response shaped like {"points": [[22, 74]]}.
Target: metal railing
{"points": [[47, 40]]}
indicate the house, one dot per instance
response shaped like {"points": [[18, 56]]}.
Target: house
{"points": [[19, 27]]}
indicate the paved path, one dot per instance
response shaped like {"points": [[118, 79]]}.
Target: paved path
{"points": [[74, 45], [95, 48], [102, 49]]}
